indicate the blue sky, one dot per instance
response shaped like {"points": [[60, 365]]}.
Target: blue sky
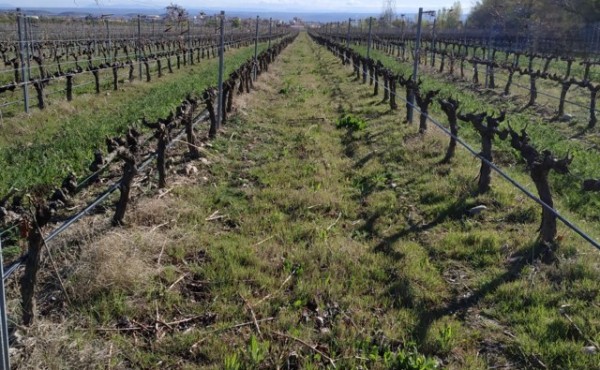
{"points": [[271, 5]]}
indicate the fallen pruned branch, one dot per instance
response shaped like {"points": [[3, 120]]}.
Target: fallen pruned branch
{"points": [[236, 326], [252, 314], [312, 347]]}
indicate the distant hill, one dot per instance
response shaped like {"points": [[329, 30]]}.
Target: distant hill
{"points": [[74, 14]]}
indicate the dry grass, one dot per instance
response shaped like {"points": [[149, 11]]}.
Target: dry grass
{"points": [[117, 262], [46, 345], [119, 265], [152, 212]]}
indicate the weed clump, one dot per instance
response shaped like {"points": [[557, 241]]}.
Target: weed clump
{"points": [[351, 123]]}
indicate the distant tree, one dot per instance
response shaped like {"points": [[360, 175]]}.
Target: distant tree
{"points": [[210, 21], [524, 14], [587, 10], [236, 22], [387, 15], [533, 21], [176, 13], [487, 11], [450, 18]]}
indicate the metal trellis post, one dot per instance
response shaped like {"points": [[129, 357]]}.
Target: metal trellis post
{"points": [[109, 43], [94, 32], [488, 56], [402, 29], [254, 64], [370, 39], [4, 343], [189, 38], [597, 39], [433, 42], [411, 98], [24, 77], [348, 33], [270, 23], [29, 43], [139, 47], [221, 67]]}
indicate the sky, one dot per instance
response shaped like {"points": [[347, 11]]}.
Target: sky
{"points": [[271, 5]]}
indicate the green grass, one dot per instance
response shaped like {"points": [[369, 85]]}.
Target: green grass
{"points": [[544, 135], [355, 242], [41, 148]]}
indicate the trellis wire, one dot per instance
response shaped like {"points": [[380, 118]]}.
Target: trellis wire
{"points": [[33, 103], [507, 177], [101, 198], [540, 92]]}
